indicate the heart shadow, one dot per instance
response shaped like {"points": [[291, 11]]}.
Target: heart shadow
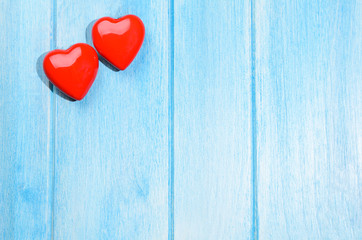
{"points": [[88, 37], [45, 80]]}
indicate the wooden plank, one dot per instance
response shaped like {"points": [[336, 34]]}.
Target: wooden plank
{"points": [[25, 121], [308, 80], [112, 147], [212, 120]]}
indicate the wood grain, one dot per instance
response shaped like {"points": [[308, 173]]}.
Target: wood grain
{"points": [[237, 120], [25, 122], [212, 114], [111, 168], [308, 81]]}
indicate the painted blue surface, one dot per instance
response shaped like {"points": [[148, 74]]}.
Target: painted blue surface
{"points": [[308, 95], [113, 166], [25, 122], [212, 120], [238, 120]]}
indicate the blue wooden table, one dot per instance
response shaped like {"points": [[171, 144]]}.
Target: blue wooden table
{"points": [[237, 120]]}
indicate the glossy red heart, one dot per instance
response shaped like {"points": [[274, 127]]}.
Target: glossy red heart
{"points": [[118, 40], [73, 70]]}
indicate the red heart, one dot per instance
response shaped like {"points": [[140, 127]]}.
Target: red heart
{"points": [[73, 70], [118, 40]]}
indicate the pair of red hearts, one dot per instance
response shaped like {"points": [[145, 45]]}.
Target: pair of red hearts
{"points": [[74, 70]]}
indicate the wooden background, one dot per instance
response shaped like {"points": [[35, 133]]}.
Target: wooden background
{"points": [[237, 120]]}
